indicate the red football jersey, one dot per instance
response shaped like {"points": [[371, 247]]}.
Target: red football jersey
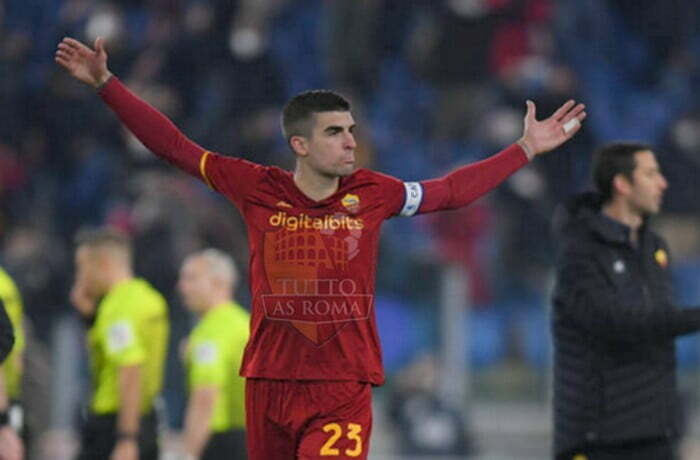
{"points": [[312, 263], [312, 270]]}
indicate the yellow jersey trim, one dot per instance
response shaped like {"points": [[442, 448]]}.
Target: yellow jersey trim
{"points": [[203, 168]]}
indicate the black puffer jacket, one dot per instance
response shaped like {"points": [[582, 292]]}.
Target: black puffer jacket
{"points": [[614, 324]]}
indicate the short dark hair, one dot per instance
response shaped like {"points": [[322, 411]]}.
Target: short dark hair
{"points": [[611, 160], [298, 112], [95, 238]]}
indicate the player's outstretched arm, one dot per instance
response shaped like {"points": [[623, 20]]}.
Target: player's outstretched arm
{"points": [[150, 126], [467, 183]]}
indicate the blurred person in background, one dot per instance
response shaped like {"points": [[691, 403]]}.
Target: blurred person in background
{"points": [[127, 340], [11, 349], [427, 426], [215, 420], [313, 236], [615, 321]]}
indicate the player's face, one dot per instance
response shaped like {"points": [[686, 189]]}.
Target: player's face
{"points": [[88, 271], [194, 284], [331, 147], [648, 184]]}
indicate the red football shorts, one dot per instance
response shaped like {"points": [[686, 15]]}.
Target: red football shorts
{"points": [[314, 420]]}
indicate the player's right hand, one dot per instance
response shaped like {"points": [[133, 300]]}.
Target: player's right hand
{"points": [[83, 63]]}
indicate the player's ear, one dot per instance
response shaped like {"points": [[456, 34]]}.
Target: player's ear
{"points": [[621, 184], [299, 145]]}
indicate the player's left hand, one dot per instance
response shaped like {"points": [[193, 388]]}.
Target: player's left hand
{"points": [[126, 449], [542, 136]]}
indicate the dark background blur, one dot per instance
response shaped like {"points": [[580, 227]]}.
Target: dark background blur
{"points": [[434, 84]]}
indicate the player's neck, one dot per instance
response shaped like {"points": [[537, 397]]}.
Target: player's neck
{"points": [[118, 276], [314, 185], [215, 302]]}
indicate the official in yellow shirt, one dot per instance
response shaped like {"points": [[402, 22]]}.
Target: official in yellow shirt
{"points": [[215, 419], [127, 342], [11, 310]]}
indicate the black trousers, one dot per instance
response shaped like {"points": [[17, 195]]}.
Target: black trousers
{"points": [[648, 449], [228, 445], [99, 436]]}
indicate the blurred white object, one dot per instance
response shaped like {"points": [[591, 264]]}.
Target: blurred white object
{"points": [[246, 43], [105, 22], [686, 134], [503, 124], [528, 184], [468, 8]]}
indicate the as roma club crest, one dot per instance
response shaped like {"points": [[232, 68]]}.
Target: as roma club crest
{"points": [[351, 203], [661, 258]]}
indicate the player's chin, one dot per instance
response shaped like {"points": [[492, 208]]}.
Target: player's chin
{"points": [[652, 209], [345, 169]]}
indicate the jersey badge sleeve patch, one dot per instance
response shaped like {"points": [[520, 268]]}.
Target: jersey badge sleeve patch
{"points": [[205, 353], [351, 203], [120, 336]]}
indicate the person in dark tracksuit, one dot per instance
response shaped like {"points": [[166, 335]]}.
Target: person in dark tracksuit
{"points": [[614, 320]]}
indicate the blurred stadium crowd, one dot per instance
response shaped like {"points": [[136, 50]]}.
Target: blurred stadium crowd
{"points": [[434, 84]]}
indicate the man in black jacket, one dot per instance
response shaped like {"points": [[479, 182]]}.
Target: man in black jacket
{"points": [[614, 321]]}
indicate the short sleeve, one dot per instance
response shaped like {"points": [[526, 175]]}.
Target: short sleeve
{"points": [[207, 364], [233, 177], [122, 345]]}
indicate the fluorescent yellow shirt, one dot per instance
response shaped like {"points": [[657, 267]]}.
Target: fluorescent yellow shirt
{"points": [[131, 327], [12, 367], [213, 358]]}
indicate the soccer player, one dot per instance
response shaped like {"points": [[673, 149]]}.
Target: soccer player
{"points": [[215, 420], [11, 350], [615, 321], [314, 352], [127, 341]]}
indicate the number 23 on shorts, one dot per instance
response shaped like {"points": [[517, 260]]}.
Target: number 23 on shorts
{"points": [[352, 433]]}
